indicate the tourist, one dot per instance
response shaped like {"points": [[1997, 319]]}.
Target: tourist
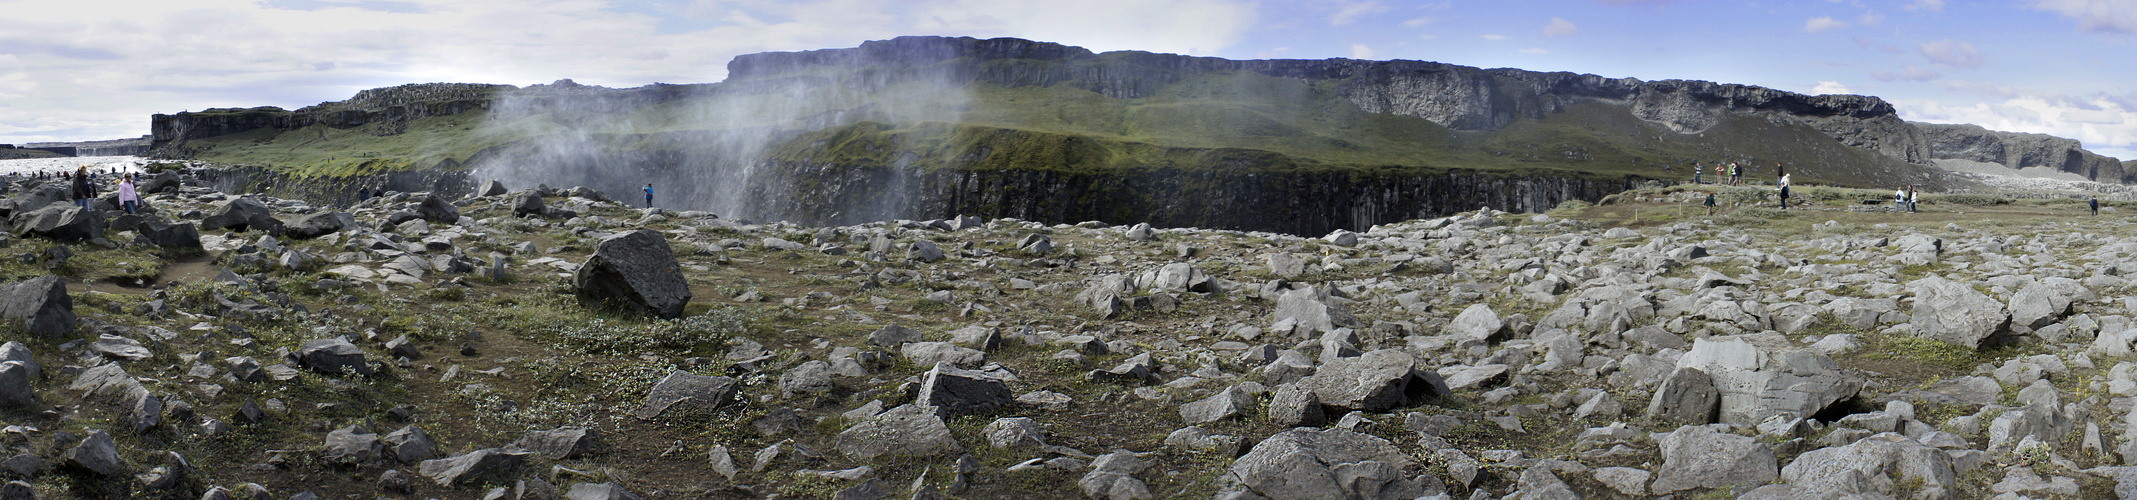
{"points": [[1784, 191], [81, 187], [1696, 170], [128, 199], [1899, 200], [649, 195], [2096, 205], [1914, 200], [1736, 174], [1710, 203]]}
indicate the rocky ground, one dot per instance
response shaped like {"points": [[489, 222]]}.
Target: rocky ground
{"points": [[546, 344]]}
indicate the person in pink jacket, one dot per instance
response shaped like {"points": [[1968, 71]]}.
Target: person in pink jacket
{"points": [[127, 197]]}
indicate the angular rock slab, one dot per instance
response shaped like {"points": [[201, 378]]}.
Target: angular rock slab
{"points": [[1953, 312], [688, 389], [956, 391], [1763, 375], [448, 471], [1327, 463], [557, 444], [1701, 456], [905, 431], [39, 306], [635, 272], [1376, 381]]}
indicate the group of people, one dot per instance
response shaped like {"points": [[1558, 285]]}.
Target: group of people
{"points": [[85, 188], [1904, 199]]}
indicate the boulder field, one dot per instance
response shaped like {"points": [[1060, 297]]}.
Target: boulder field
{"points": [[537, 343]]}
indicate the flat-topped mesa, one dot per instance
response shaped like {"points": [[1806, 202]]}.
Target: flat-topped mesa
{"points": [[1455, 96]]}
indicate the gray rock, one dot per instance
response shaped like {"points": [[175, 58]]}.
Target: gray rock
{"points": [[529, 203], [17, 388], [556, 444], [1112, 477], [1284, 265], [181, 235], [1180, 277], [15, 351], [409, 445], [1228, 403], [1136, 369], [1626, 480], [491, 188], [634, 272], [1479, 323], [319, 224], [924, 251], [352, 445], [1955, 313], [955, 391], [602, 491], [905, 431], [39, 306], [453, 470], [435, 208], [1314, 309], [811, 377], [242, 214], [893, 336], [1376, 381], [2038, 304], [1327, 463], [1015, 432], [1687, 396], [1700, 456], [59, 222], [335, 355], [1295, 405], [1194, 438], [933, 353], [690, 390], [96, 453], [1141, 232], [1763, 375], [1342, 238], [1862, 468]]}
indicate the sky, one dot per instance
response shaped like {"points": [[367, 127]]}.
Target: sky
{"points": [[96, 69]]}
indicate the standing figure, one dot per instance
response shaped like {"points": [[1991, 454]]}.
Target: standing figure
{"points": [[81, 186], [128, 199], [2096, 205], [649, 195]]}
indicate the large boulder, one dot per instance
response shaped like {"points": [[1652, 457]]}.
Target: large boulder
{"points": [[1701, 456], [1763, 375], [38, 306], [16, 389], [557, 444], [242, 214], [181, 235], [97, 453], [2043, 303], [958, 391], [353, 445], [634, 272], [1314, 309], [59, 222], [335, 355], [319, 224], [689, 390], [1376, 381], [452, 470], [1478, 323], [492, 188], [1954, 312], [1328, 463], [529, 203], [435, 208], [1688, 396], [1868, 468], [163, 182], [905, 431]]}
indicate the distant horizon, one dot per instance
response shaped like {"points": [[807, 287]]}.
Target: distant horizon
{"points": [[68, 79]]}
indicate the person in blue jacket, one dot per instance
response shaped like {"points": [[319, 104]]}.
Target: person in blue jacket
{"points": [[649, 196]]}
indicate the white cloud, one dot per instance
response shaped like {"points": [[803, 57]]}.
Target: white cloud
{"points": [[1360, 51], [1830, 87], [2117, 17], [1909, 74], [1352, 12], [1870, 18], [1929, 5], [98, 77], [1413, 23], [1535, 51], [1823, 23], [1492, 37], [1952, 53], [2106, 124], [1560, 27]]}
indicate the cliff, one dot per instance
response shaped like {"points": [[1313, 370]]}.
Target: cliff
{"points": [[383, 111], [2022, 150]]}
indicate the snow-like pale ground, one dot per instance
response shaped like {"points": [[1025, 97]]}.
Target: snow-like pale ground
{"points": [[57, 165]]}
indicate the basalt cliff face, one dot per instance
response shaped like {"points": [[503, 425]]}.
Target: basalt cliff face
{"points": [[2022, 150], [931, 127]]}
